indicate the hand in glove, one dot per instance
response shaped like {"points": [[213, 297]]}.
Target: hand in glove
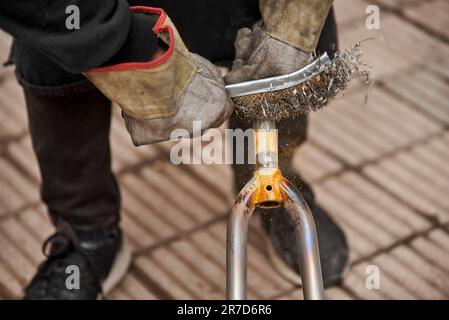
{"points": [[282, 42], [167, 93]]}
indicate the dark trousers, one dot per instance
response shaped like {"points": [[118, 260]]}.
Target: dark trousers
{"points": [[69, 127]]}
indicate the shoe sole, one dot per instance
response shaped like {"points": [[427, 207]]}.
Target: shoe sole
{"points": [[119, 268]]}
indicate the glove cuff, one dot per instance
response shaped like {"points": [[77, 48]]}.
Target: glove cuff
{"points": [[164, 30], [295, 22], [152, 89]]}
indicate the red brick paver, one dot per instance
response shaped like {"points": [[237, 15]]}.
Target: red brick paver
{"points": [[380, 168]]}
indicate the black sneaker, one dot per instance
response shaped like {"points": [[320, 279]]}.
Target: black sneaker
{"points": [[81, 266], [283, 252]]}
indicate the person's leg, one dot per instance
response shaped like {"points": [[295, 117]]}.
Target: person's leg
{"points": [[332, 242], [69, 127], [70, 137]]}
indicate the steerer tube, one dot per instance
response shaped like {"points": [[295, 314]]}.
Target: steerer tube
{"points": [[266, 145], [269, 189]]}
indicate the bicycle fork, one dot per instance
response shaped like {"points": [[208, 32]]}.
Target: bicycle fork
{"points": [[269, 189]]}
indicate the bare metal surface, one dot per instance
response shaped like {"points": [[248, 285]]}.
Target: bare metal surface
{"points": [[266, 138], [307, 242], [236, 243]]}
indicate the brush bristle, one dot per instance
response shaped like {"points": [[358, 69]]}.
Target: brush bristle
{"points": [[312, 95]]}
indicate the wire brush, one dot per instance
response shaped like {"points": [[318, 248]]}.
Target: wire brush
{"points": [[311, 95]]}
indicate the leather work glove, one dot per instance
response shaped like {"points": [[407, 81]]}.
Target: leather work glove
{"points": [[167, 93], [282, 42]]}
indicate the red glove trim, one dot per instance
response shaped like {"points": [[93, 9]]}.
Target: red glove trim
{"points": [[158, 28]]}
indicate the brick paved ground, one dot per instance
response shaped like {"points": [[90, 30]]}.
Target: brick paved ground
{"points": [[381, 169]]}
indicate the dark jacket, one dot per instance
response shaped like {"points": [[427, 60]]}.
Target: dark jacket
{"points": [[47, 53]]}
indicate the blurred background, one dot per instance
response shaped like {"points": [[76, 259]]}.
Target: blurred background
{"points": [[381, 169]]}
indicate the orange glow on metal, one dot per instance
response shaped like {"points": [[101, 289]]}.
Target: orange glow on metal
{"points": [[268, 191]]}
